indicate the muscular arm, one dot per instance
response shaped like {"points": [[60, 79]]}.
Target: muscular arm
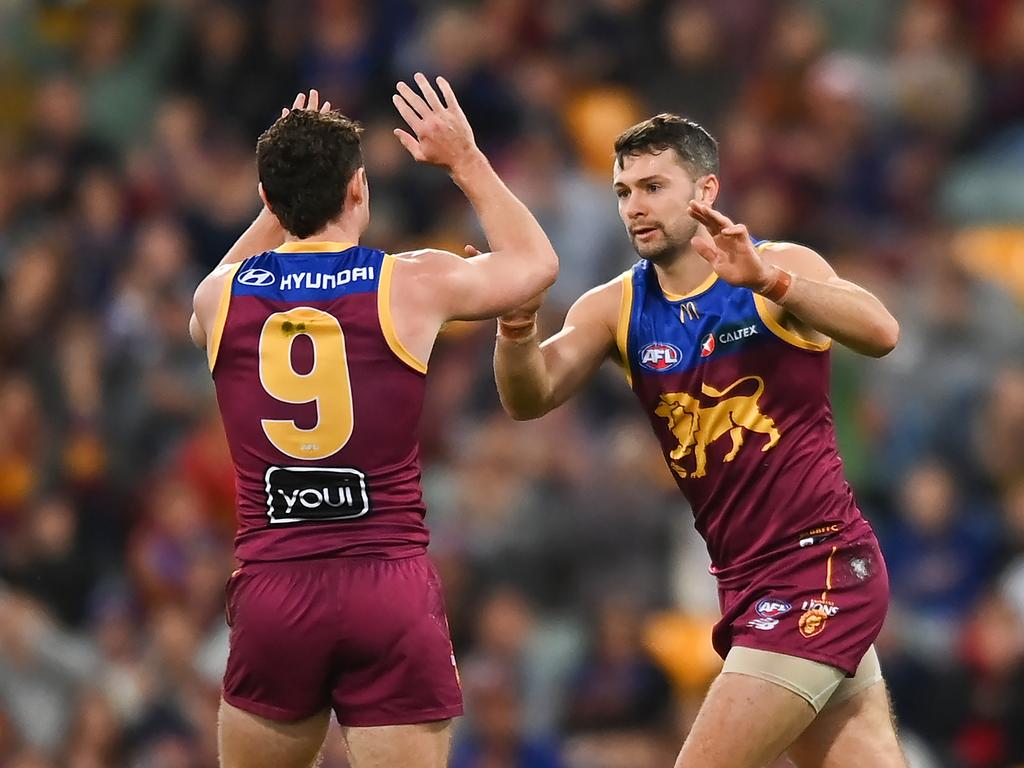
{"points": [[816, 302], [820, 301], [264, 234], [522, 262], [534, 378]]}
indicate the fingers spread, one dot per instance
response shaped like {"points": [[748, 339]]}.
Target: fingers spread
{"points": [[449, 95], [326, 107], [428, 92], [414, 100], [300, 101], [314, 100], [408, 113], [409, 143], [705, 248]]}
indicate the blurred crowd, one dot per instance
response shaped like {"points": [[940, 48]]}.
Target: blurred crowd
{"points": [[887, 134]]}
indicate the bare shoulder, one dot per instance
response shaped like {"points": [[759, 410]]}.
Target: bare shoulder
{"points": [[798, 259], [207, 296], [602, 304], [430, 259]]}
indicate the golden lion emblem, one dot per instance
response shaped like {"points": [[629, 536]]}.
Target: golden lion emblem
{"points": [[696, 426]]}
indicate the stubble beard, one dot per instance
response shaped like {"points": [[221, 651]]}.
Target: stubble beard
{"points": [[670, 249]]}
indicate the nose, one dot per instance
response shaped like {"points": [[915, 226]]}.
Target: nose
{"points": [[634, 208]]}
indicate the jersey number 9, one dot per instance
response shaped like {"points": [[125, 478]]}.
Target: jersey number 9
{"points": [[326, 384]]}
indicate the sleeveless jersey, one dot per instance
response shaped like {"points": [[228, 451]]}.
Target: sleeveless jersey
{"points": [[321, 404], [741, 408]]}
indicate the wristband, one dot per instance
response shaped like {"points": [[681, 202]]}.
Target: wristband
{"points": [[778, 286], [519, 331]]}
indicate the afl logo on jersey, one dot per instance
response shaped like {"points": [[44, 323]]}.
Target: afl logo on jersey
{"points": [[257, 277], [660, 357], [707, 345]]}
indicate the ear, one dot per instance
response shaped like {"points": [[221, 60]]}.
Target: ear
{"points": [[263, 196], [707, 189], [357, 187]]}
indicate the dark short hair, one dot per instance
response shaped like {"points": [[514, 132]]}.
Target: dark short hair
{"points": [[305, 161], [697, 148]]}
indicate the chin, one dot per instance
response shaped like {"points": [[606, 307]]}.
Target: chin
{"points": [[659, 254]]}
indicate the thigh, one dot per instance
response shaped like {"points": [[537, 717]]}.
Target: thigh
{"points": [[744, 722], [851, 733], [246, 740], [424, 745]]}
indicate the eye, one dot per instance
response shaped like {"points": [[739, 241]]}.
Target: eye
{"points": [[622, 193], [653, 187]]}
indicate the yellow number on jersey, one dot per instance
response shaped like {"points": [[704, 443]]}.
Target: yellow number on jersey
{"points": [[327, 383]]}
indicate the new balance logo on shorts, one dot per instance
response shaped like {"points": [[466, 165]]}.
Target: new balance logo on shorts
{"points": [[769, 609], [315, 494]]}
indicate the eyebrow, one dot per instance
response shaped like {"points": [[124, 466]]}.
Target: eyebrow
{"points": [[644, 180]]}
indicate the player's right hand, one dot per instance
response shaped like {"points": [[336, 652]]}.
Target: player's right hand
{"points": [[443, 134]]}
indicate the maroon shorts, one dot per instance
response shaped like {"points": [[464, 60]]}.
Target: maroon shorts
{"points": [[825, 600], [365, 636]]}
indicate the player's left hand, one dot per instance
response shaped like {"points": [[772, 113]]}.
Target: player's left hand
{"points": [[311, 103], [729, 251]]}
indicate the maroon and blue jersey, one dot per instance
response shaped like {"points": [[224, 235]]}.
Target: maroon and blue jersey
{"points": [[321, 405], [740, 405]]}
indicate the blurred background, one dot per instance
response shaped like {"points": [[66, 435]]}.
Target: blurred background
{"points": [[887, 134]]}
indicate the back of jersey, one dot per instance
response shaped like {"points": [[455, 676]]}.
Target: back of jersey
{"points": [[321, 404]]}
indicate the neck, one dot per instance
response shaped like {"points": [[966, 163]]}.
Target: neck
{"points": [[341, 231], [684, 274]]}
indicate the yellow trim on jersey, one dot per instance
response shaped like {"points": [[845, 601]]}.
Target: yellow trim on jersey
{"points": [[772, 322], [784, 333], [303, 246], [622, 327], [213, 343], [706, 285], [387, 325]]}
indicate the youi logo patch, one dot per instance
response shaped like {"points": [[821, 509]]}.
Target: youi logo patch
{"points": [[660, 357]]}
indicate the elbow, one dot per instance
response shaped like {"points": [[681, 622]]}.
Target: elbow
{"points": [[887, 338], [524, 414], [522, 411], [547, 271]]}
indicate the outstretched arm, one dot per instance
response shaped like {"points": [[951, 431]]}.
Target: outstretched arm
{"points": [[522, 262], [803, 290], [534, 378]]}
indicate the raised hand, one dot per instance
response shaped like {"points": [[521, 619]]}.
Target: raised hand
{"points": [[729, 251], [443, 134], [301, 102]]}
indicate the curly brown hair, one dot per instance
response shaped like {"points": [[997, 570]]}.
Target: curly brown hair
{"points": [[305, 161]]}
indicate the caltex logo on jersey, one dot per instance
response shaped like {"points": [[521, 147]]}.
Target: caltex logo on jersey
{"points": [[707, 345], [660, 357], [257, 277]]}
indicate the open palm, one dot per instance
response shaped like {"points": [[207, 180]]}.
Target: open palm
{"points": [[729, 250]]}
